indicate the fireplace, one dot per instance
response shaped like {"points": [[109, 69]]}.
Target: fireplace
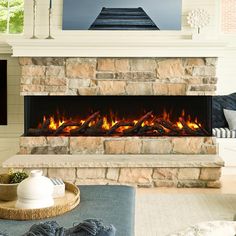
{"points": [[139, 121], [118, 116]]}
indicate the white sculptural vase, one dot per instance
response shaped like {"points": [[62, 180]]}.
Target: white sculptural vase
{"points": [[35, 192]]}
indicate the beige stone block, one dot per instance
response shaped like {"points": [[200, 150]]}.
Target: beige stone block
{"points": [[135, 175], [160, 89], [114, 146], [122, 65], [86, 145], [91, 173], [105, 76], [210, 173], [211, 61], [29, 80], [202, 88], [58, 141], [47, 61], [111, 87], [55, 81], [156, 146], [170, 68], [204, 71], [32, 88], [139, 88], [82, 68], [165, 183], [77, 83], [188, 173], [25, 61], [209, 140], [214, 184], [55, 89], [194, 62], [133, 146], [31, 70], [67, 174], [165, 173], [87, 91], [209, 149], [113, 173], [176, 89], [106, 64], [33, 141], [187, 145], [143, 64], [55, 71], [191, 184]]}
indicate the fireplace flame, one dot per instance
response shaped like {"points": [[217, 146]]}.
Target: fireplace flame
{"points": [[96, 125]]}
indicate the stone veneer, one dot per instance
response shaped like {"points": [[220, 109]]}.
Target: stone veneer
{"points": [[118, 76], [115, 145], [140, 161]]}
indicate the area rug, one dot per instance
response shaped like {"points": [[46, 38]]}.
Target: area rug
{"points": [[160, 214]]}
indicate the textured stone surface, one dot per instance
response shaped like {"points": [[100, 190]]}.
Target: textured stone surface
{"points": [[170, 68], [118, 76], [188, 173], [156, 146], [122, 145], [114, 147], [165, 173], [90, 173], [186, 145], [88, 145], [142, 64], [165, 183], [106, 64], [210, 173], [113, 173], [136, 88], [67, 174], [111, 87], [83, 68], [135, 175]]}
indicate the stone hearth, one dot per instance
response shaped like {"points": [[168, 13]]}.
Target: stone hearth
{"points": [[141, 161]]}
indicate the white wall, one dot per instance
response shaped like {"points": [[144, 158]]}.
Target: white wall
{"points": [[9, 135]]}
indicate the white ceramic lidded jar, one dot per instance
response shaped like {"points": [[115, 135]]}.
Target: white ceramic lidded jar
{"points": [[35, 191]]}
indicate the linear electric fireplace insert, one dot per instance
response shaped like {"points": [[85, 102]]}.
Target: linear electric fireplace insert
{"points": [[118, 116]]}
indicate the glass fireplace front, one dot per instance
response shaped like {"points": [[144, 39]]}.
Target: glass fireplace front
{"points": [[118, 116]]}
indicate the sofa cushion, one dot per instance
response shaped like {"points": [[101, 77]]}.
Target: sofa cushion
{"points": [[230, 116], [218, 104]]}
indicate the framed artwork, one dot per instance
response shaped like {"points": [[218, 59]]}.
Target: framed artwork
{"points": [[3, 92], [122, 14]]}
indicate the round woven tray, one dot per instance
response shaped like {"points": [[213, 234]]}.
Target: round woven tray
{"points": [[61, 206]]}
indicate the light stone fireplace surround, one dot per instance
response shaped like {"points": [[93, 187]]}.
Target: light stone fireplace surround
{"points": [[144, 161]]}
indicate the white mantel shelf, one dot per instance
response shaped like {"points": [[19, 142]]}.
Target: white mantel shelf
{"points": [[116, 47]]}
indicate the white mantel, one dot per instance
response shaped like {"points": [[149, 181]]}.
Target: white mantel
{"points": [[116, 44]]}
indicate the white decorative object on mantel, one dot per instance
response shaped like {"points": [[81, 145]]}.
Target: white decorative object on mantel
{"points": [[198, 19]]}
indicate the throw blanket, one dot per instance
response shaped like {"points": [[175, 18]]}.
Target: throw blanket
{"points": [[90, 227]]}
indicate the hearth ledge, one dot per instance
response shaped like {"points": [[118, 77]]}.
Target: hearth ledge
{"points": [[113, 161]]}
